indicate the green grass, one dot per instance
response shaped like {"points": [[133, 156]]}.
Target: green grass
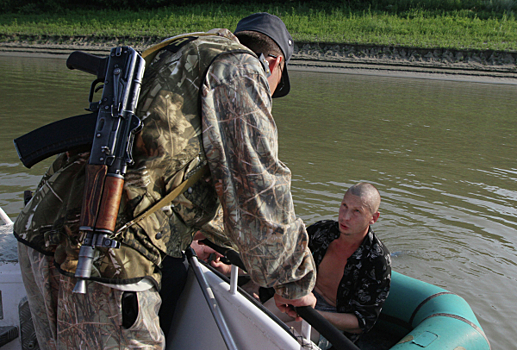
{"points": [[454, 29]]}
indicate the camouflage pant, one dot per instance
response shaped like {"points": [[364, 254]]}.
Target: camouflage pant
{"points": [[64, 320]]}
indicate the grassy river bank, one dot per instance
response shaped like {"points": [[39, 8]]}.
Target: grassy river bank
{"points": [[469, 41]]}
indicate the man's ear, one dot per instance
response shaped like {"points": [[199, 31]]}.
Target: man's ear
{"points": [[275, 63], [375, 217]]}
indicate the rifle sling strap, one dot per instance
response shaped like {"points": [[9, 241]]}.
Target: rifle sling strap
{"points": [[168, 198], [151, 52], [148, 55]]}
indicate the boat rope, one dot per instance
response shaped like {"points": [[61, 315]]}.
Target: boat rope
{"points": [[412, 318], [443, 314]]}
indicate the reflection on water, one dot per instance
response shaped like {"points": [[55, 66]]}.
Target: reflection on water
{"points": [[440, 152]]}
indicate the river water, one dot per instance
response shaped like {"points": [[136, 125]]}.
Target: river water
{"points": [[442, 153]]}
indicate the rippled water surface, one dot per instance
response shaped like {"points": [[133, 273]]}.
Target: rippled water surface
{"points": [[442, 154]]}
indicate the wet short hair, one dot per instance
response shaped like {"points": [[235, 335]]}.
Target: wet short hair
{"points": [[259, 43], [369, 192]]}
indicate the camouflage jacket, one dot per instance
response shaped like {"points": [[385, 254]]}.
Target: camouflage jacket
{"points": [[167, 151], [241, 144]]}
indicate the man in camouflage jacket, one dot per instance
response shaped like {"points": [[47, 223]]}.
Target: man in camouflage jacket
{"points": [[205, 100]]}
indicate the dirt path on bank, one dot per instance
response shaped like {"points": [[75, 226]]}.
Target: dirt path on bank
{"points": [[472, 65]]}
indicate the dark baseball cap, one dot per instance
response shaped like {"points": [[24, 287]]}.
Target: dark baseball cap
{"points": [[273, 27]]}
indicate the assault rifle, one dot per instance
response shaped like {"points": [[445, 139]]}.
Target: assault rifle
{"points": [[111, 151], [111, 142]]}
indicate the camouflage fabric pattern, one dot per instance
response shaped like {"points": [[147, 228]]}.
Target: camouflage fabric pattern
{"points": [[240, 140], [50, 224], [167, 151], [64, 320], [254, 186]]}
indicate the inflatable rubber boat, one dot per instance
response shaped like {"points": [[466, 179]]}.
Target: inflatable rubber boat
{"points": [[215, 313]]}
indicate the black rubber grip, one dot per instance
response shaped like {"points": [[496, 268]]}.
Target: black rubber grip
{"points": [[88, 63]]}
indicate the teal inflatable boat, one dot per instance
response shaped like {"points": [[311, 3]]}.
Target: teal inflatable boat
{"points": [[418, 315], [214, 313]]}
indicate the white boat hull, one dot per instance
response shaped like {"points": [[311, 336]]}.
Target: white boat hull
{"points": [[194, 326], [14, 309]]}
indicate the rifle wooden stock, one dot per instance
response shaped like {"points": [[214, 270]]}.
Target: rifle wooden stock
{"points": [[110, 203], [101, 201], [93, 189]]}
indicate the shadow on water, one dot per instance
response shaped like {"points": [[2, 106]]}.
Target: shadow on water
{"points": [[440, 152]]}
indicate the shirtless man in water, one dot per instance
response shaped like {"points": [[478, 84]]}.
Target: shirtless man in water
{"points": [[354, 266]]}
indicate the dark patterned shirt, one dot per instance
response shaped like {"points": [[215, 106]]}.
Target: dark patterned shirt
{"points": [[365, 284]]}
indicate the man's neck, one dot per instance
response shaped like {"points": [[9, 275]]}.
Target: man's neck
{"points": [[351, 242]]}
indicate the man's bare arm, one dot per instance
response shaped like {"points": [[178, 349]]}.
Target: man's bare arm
{"points": [[343, 321]]}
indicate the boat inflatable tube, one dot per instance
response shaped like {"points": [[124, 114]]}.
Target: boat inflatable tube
{"points": [[435, 318]]}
